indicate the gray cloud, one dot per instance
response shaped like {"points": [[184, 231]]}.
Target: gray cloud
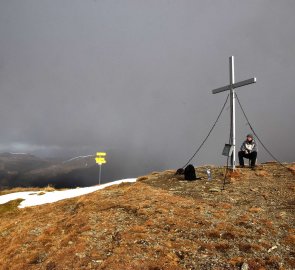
{"points": [[135, 77]]}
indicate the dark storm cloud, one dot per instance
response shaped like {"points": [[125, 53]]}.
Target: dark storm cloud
{"points": [[135, 77]]}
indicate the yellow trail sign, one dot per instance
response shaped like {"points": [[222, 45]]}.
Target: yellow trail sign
{"points": [[100, 160]]}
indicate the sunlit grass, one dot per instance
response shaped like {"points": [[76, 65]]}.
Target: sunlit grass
{"points": [[48, 188], [10, 206]]}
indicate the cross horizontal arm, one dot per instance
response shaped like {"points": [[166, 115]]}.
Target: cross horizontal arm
{"points": [[221, 89], [245, 82], [235, 85]]}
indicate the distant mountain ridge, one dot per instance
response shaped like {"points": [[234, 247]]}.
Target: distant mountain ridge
{"points": [[23, 169], [21, 162]]}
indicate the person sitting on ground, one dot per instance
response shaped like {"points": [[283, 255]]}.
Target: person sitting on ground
{"points": [[248, 150]]}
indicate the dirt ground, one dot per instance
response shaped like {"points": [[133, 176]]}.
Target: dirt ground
{"points": [[162, 222]]}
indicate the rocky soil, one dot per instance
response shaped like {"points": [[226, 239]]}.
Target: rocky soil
{"points": [[161, 222]]}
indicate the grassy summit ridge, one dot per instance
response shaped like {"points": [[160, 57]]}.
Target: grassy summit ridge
{"points": [[161, 222]]}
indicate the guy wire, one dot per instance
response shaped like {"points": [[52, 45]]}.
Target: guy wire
{"points": [[257, 135], [208, 133]]}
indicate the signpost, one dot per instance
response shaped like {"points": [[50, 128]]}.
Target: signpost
{"points": [[100, 159], [232, 85]]}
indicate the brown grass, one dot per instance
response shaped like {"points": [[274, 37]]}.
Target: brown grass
{"points": [[290, 240], [142, 178], [213, 234], [18, 189], [49, 188], [157, 223], [10, 207], [222, 247]]}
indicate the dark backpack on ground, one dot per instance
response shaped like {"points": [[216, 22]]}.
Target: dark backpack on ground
{"points": [[180, 171], [190, 173]]}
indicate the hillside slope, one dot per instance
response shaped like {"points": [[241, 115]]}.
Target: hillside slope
{"points": [[26, 170], [160, 222]]}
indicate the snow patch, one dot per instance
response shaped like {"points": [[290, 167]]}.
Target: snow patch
{"points": [[31, 198]]}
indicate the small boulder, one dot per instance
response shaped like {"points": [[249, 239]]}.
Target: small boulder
{"points": [[245, 266]]}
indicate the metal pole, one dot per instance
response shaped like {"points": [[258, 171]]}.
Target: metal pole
{"points": [[99, 174], [232, 110]]}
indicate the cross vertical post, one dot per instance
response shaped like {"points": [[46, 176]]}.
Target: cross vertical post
{"points": [[232, 110], [231, 87]]}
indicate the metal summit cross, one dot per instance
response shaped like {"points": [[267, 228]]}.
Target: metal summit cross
{"points": [[231, 87]]}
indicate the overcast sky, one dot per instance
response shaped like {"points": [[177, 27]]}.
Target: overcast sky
{"points": [[134, 78]]}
